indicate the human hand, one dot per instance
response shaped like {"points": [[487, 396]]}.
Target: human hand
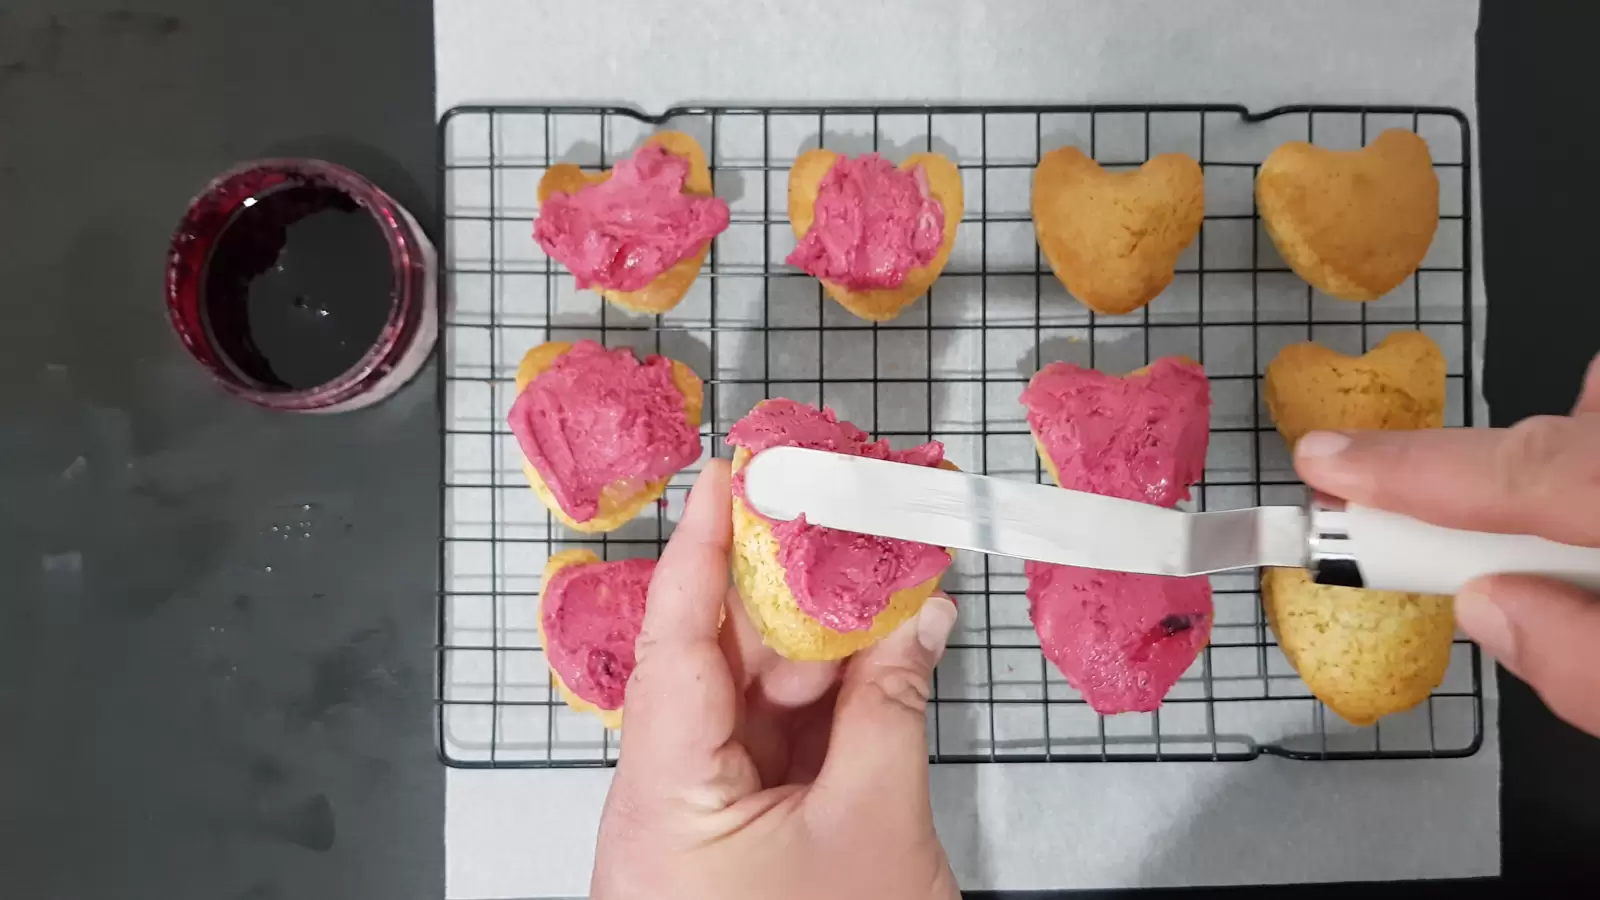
{"points": [[746, 775], [1540, 477]]}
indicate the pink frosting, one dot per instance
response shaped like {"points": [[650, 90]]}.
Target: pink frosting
{"points": [[873, 224], [1139, 438], [1121, 639], [591, 615], [840, 578], [599, 419], [622, 233]]}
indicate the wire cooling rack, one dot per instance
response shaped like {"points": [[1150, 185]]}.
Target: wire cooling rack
{"points": [[949, 368]]}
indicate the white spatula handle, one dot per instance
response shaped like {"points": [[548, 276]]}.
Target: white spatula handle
{"points": [[1387, 551]]}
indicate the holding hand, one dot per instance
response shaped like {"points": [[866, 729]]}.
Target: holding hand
{"points": [[1539, 477], [746, 775]]}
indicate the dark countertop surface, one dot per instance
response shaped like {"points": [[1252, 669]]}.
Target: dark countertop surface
{"points": [[195, 706]]}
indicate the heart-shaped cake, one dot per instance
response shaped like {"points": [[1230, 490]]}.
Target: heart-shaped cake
{"points": [[638, 241], [1141, 437], [875, 235], [1353, 223], [1123, 640], [1397, 385], [1113, 238], [602, 431], [817, 593], [1364, 653], [590, 614]]}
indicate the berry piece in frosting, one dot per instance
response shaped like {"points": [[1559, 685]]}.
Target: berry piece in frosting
{"points": [[590, 615], [1121, 639], [599, 419], [621, 233], [839, 578], [873, 224], [1141, 438]]}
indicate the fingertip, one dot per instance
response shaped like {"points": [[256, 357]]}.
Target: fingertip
{"points": [[1320, 445], [717, 468], [1589, 394], [708, 507], [1323, 459], [1482, 619], [934, 623]]}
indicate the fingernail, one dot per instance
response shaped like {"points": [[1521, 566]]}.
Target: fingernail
{"points": [[1320, 444], [1485, 622], [934, 621]]}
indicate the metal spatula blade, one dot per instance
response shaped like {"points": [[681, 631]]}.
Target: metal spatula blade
{"points": [[1017, 519], [1343, 545]]}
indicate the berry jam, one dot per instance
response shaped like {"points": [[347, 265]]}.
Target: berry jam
{"points": [[301, 286], [298, 288]]}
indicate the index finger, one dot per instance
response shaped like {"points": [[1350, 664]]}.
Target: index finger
{"points": [[681, 702], [1540, 477], [685, 602]]}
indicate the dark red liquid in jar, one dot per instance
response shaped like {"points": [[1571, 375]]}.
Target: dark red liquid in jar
{"points": [[301, 286], [298, 288]]}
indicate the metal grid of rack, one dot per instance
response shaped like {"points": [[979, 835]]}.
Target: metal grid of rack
{"points": [[950, 368]]}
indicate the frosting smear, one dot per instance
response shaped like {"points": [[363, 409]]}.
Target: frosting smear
{"points": [[598, 419], [591, 615], [840, 578], [873, 224], [1121, 639], [622, 233], [1142, 437]]}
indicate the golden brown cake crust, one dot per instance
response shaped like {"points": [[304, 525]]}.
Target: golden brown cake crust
{"points": [[1397, 385], [1353, 223], [615, 510], [669, 287], [1365, 654], [944, 183], [1113, 238]]}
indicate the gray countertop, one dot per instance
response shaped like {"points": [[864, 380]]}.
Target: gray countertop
{"points": [[196, 706]]}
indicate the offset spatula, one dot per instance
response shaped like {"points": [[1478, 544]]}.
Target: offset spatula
{"points": [[1352, 546]]}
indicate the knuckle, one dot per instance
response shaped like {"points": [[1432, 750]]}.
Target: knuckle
{"points": [[1547, 471], [903, 686], [1531, 449]]}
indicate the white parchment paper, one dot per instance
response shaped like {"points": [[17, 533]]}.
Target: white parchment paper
{"points": [[530, 833]]}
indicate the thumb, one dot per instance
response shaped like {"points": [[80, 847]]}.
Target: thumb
{"points": [[879, 744], [1546, 633]]}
